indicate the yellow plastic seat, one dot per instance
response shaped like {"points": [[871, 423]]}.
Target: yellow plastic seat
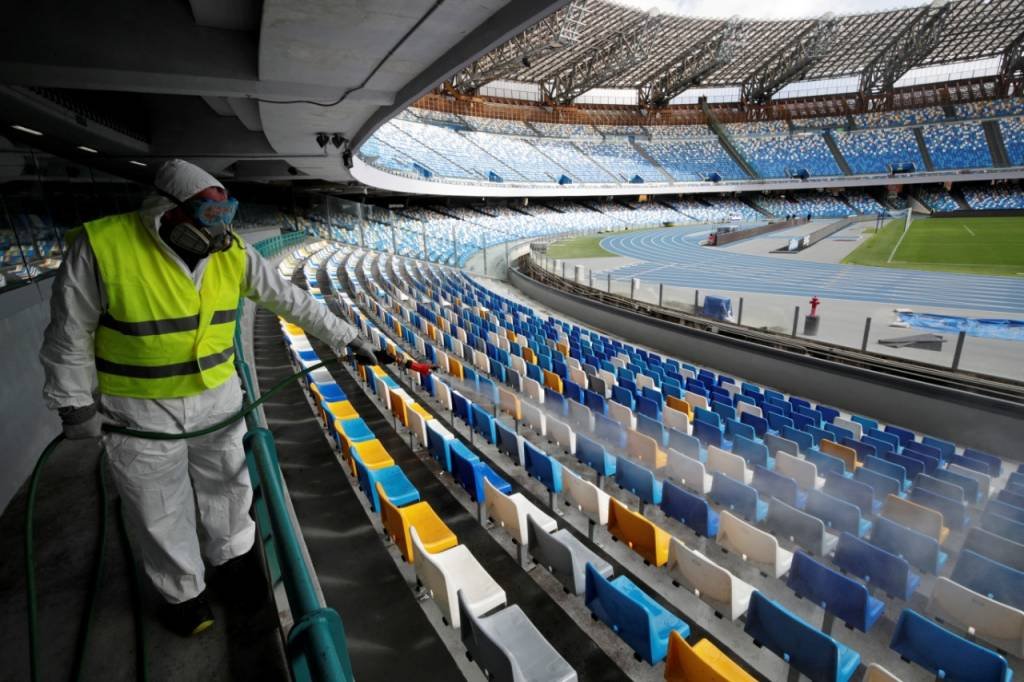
{"points": [[379, 371], [530, 356], [422, 411], [847, 454], [399, 407], [703, 662], [638, 533], [681, 405], [917, 517], [372, 453], [342, 409], [454, 367], [552, 381], [434, 534]]}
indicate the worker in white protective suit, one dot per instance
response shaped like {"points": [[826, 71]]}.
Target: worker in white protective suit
{"points": [[141, 333]]}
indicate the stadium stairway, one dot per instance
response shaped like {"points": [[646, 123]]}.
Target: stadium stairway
{"points": [[726, 140], [926, 156], [666, 177], [996, 146], [834, 148]]}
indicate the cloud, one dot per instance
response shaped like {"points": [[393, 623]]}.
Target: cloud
{"points": [[759, 9]]}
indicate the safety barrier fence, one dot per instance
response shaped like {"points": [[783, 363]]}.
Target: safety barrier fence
{"points": [[316, 645]]}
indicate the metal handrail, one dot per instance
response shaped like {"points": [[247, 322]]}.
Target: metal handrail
{"points": [[316, 644]]}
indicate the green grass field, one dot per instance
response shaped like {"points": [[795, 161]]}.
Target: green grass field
{"points": [[588, 246], [977, 246]]}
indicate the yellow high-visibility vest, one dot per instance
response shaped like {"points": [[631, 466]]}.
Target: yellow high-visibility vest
{"points": [[160, 337]]}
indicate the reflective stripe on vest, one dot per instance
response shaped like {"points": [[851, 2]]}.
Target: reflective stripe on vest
{"points": [[161, 337]]}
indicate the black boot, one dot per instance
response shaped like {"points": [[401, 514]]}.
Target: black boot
{"points": [[243, 582], [189, 617]]}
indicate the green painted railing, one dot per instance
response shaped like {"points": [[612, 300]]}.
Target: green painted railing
{"points": [[316, 645]]}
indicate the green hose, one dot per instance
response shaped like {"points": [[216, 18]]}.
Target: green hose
{"points": [[30, 572]]}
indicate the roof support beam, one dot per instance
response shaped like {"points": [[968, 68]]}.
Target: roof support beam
{"points": [[556, 32], [690, 66], [790, 63], [604, 61], [1011, 68], [906, 49]]}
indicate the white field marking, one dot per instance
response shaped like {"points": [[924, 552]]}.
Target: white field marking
{"points": [[969, 230], [897, 247]]}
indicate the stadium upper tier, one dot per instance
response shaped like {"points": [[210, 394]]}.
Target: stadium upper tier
{"points": [[426, 144]]}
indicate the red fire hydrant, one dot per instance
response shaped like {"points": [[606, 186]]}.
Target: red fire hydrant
{"points": [[815, 302], [812, 320]]}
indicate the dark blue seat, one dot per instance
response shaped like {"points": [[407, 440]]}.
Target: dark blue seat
{"points": [[817, 435], [843, 597], [1011, 498], [943, 446], [773, 484], [995, 547], [995, 464], [921, 551], [592, 454], [648, 407], [968, 463], [815, 416], [806, 648], [759, 424], [929, 463], [890, 438], [734, 429], [945, 654], [856, 493], [904, 435], [863, 449], [460, 407], [953, 512], [690, 509], [838, 432], [508, 441], [887, 468], [837, 514], [876, 567], [638, 480], [722, 410], [707, 434], [881, 485], [737, 497], [923, 449], [755, 453], [913, 466], [469, 472], [777, 422], [555, 402], [881, 446], [483, 423], [940, 487], [640, 621], [970, 487], [544, 468], [990, 578], [595, 402], [802, 422], [802, 440], [827, 413]]}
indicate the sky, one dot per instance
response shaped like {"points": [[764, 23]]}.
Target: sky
{"points": [[772, 9]]}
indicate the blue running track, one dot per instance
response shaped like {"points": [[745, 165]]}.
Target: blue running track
{"points": [[673, 256]]}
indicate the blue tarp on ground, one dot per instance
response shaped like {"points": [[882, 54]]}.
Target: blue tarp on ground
{"points": [[983, 327]]}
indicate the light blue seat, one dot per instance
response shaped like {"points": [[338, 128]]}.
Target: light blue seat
{"points": [[440, 448], [470, 473], [639, 620], [483, 423], [887, 468], [755, 453], [594, 455], [690, 509], [355, 429], [881, 485], [990, 578], [827, 464], [875, 566], [638, 480], [837, 514], [945, 654], [737, 497], [397, 487], [543, 467], [921, 551], [807, 649], [843, 597]]}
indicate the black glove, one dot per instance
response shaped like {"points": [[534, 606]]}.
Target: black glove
{"points": [[81, 423], [383, 357], [363, 350]]}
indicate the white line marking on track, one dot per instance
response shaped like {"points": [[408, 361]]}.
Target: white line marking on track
{"points": [[969, 230]]}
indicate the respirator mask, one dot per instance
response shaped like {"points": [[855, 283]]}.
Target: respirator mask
{"points": [[208, 229]]}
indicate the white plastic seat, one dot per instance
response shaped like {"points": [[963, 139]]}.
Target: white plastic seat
{"points": [[445, 573], [726, 593], [562, 433], [535, 418], [675, 419], [443, 393], [998, 624], [747, 408], [585, 496], [510, 512], [850, 425], [805, 473], [753, 545], [689, 471], [695, 399], [418, 425], [984, 480], [533, 390], [577, 376], [645, 450], [733, 466], [644, 381], [518, 364], [622, 414]]}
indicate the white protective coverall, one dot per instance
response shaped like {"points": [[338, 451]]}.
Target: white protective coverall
{"points": [[157, 478]]}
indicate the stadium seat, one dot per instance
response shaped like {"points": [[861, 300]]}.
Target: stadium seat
{"points": [[995, 547], [586, 497], [638, 533], [645, 449], [510, 512], [996, 523], [508, 646], [990, 578], [773, 484], [838, 515], [737, 497], [562, 434], [435, 535], [921, 551], [1000, 625], [439, 442], [704, 662], [729, 464], [797, 526], [444, 574], [372, 454], [838, 595], [805, 648], [545, 469], [803, 472], [722, 590], [861, 495], [887, 468], [954, 512], [975, 484], [945, 654], [994, 463], [564, 556], [876, 567], [917, 517], [392, 479], [881, 485], [753, 545], [349, 431], [691, 510], [640, 621], [470, 473], [846, 454], [638, 480]]}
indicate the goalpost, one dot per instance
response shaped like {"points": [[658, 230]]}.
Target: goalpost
{"points": [[906, 226]]}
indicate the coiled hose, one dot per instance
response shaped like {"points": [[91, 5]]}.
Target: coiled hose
{"points": [[85, 627]]}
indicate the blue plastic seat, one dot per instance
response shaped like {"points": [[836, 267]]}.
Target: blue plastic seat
{"points": [[592, 454], [355, 429], [773, 484], [483, 423], [1011, 498], [759, 424], [990, 578], [923, 448], [461, 408], [943, 446], [837, 514], [827, 464], [940, 487], [968, 463], [881, 485], [863, 450], [929, 463], [875, 566], [838, 432], [440, 448], [970, 487], [686, 444], [902, 434], [802, 440], [883, 447], [639, 620], [856, 493], [508, 441], [707, 434], [654, 429], [912, 465], [755, 453], [921, 551], [737, 497], [607, 429], [954, 512], [397, 487], [806, 648], [638, 480], [544, 468], [843, 597], [690, 509], [887, 468], [945, 654], [995, 464], [776, 422]]}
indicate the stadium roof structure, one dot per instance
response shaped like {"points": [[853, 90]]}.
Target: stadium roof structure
{"points": [[599, 44]]}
